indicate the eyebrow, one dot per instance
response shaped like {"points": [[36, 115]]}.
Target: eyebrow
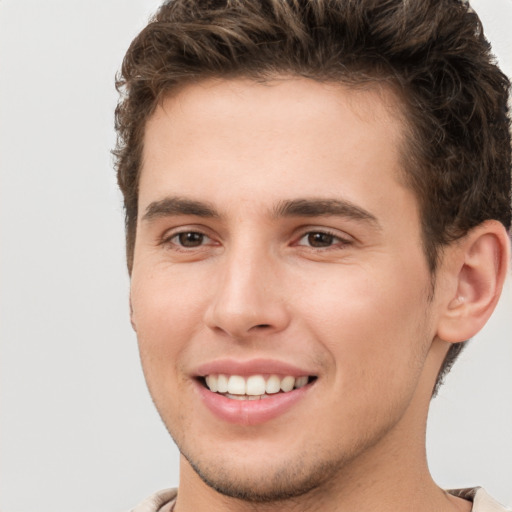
{"points": [[179, 206], [324, 208], [170, 206]]}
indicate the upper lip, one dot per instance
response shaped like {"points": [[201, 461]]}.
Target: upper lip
{"points": [[251, 367]]}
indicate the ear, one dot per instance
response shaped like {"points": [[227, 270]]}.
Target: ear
{"points": [[478, 268], [132, 320]]}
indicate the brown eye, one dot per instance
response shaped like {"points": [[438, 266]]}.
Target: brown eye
{"points": [[323, 240], [320, 239], [189, 239]]}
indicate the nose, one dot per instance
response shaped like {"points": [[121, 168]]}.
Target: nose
{"points": [[248, 298]]}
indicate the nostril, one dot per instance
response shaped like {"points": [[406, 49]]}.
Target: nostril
{"points": [[262, 326]]}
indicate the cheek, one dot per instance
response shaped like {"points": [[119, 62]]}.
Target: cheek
{"points": [[375, 328], [165, 316], [165, 302], [167, 312], [377, 341]]}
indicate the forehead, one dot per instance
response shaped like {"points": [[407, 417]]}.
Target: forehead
{"points": [[290, 136], [266, 103]]}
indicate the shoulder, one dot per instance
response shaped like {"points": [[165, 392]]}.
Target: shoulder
{"points": [[482, 502], [161, 501]]}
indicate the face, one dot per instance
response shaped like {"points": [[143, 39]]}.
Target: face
{"points": [[280, 292]]}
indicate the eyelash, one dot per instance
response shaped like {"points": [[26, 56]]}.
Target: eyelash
{"points": [[178, 245], [335, 242]]}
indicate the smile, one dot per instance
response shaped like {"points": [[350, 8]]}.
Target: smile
{"points": [[253, 387], [254, 391]]}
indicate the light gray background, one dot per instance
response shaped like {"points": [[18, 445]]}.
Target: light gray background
{"points": [[78, 430]]}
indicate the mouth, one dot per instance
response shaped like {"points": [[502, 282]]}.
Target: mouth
{"points": [[254, 387], [255, 391]]}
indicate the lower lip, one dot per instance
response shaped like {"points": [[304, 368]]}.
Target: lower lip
{"points": [[250, 412]]}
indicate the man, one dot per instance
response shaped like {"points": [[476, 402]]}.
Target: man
{"points": [[317, 201]]}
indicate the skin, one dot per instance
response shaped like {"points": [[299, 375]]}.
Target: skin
{"points": [[356, 310]]}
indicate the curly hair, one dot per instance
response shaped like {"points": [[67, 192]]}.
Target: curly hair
{"points": [[432, 52]]}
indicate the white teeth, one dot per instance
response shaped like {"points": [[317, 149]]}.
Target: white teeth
{"points": [[222, 384], [253, 387], [211, 382], [246, 397], [273, 385], [236, 397], [236, 385], [287, 384], [300, 382]]}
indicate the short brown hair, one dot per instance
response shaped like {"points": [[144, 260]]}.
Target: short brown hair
{"points": [[433, 52]]}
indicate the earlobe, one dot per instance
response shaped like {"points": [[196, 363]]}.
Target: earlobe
{"points": [[480, 267]]}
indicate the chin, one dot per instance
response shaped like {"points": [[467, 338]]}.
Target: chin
{"points": [[264, 485], [263, 476]]}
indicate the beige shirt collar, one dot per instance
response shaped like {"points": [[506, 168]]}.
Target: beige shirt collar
{"points": [[163, 501]]}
